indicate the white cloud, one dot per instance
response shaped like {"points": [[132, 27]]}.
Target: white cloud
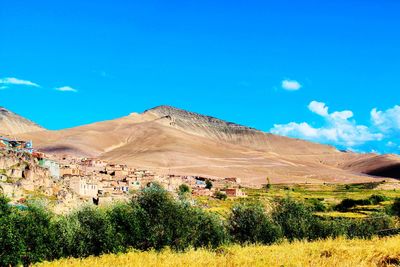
{"points": [[66, 89], [15, 81], [318, 108], [291, 85], [3, 87], [337, 128], [388, 120]]}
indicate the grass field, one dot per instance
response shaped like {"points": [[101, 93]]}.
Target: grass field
{"points": [[338, 252], [329, 195]]}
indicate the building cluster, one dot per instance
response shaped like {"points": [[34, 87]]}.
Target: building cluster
{"points": [[15, 145], [104, 181], [101, 181]]}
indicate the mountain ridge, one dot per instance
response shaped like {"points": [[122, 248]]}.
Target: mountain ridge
{"points": [[12, 123], [171, 140]]}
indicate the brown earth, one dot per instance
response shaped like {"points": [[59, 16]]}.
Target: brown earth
{"points": [[170, 140], [11, 123]]}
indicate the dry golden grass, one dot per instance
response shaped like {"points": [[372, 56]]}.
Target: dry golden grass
{"points": [[338, 252]]}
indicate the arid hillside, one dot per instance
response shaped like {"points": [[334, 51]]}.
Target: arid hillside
{"points": [[171, 140], [11, 123]]}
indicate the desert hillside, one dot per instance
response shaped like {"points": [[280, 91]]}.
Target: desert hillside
{"points": [[175, 141], [11, 123]]}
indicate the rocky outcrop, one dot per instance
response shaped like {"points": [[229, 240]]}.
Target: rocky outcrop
{"points": [[22, 169]]}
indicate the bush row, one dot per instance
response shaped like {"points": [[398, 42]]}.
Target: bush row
{"points": [[154, 220]]}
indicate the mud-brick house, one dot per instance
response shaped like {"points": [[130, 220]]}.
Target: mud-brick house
{"points": [[52, 166], [90, 162], [83, 186], [121, 186], [70, 170]]}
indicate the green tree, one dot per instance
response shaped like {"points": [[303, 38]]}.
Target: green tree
{"points": [[209, 184], [248, 223], [295, 219], [11, 243]]}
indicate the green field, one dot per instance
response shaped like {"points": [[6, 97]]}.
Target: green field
{"points": [[329, 195]]}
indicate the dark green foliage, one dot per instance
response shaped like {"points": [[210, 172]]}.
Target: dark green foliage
{"points": [[348, 203], [11, 242], [183, 189], [167, 222], [209, 184], [33, 226], [25, 236], [295, 219], [317, 205], [248, 223], [366, 228], [125, 219], [211, 232], [94, 234], [220, 195], [155, 220], [395, 208], [5, 209], [376, 199]]}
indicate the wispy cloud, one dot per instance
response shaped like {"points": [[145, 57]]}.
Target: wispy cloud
{"points": [[15, 81], [291, 85], [66, 89], [3, 87]]}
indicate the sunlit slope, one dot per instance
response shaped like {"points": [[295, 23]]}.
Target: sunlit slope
{"points": [[171, 140], [12, 124]]}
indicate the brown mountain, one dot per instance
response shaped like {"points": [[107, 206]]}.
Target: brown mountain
{"points": [[171, 140], [12, 124]]}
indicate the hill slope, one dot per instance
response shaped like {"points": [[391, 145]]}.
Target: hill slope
{"points": [[170, 140], [11, 123]]}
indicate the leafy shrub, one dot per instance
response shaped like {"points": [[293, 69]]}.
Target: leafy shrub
{"points": [[183, 189], [210, 230], [376, 199], [395, 208], [5, 209], [375, 224], [317, 205], [11, 242], [295, 219], [126, 221], [25, 236], [248, 223], [220, 195], [167, 222], [94, 233], [348, 203]]}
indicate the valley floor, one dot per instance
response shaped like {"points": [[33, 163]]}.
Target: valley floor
{"points": [[338, 252]]}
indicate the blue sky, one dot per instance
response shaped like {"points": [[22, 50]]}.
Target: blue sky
{"points": [[326, 72]]}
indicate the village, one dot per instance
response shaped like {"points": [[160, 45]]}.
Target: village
{"points": [[91, 180]]}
